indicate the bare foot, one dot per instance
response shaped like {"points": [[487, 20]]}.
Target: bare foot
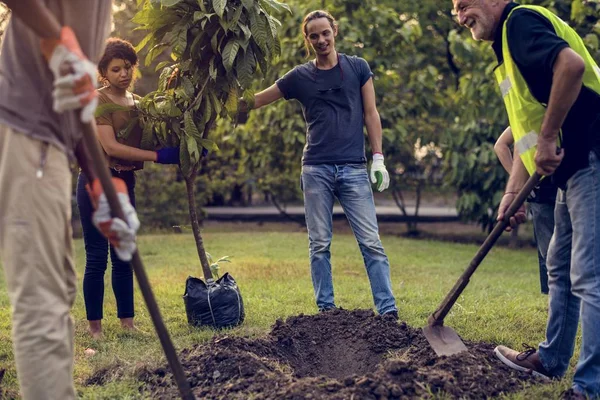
{"points": [[95, 329], [127, 324]]}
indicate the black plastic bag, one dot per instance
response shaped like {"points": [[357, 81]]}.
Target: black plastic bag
{"points": [[218, 304]]}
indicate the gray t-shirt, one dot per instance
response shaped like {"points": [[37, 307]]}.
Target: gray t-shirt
{"points": [[333, 109], [26, 80]]}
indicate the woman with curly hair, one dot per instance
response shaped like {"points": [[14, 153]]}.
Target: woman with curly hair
{"points": [[116, 69]]}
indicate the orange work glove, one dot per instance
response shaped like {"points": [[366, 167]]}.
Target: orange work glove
{"points": [[119, 233], [74, 75]]}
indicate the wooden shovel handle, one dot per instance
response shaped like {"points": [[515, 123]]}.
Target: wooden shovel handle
{"points": [[103, 174], [437, 318]]}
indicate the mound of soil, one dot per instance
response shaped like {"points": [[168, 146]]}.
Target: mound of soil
{"points": [[336, 355]]}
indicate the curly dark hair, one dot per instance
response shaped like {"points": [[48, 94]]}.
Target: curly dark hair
{"points": [[119, 49]]}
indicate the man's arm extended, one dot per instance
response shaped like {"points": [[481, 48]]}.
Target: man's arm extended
{"points": [[262, 98]]}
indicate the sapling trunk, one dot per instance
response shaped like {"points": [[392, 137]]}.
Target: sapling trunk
{"points": [[190, 185]]}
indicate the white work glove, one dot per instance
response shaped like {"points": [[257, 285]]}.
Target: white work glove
{"points": [[74, 75], [120, 234], [379, 174]]}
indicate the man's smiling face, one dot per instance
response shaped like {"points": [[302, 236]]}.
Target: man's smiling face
{"points": [[480, 16]]}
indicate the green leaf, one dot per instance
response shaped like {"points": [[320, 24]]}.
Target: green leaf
{"points": [[147, 141], [229, 53], [109, 108], [185, 163], [219, 6], [212, 70], [248, 4], [275, 6], [209, 145], [258, 27], [144, 42], [192, 147], [179, 42], [154, 52], [190, 127], [169, 3], [245, 29], [232, 101], [188, 86], [273, 24], [244, 68], [126, 131], [162, 65]]}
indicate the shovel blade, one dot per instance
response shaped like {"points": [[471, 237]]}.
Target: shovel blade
{"points": [[444, 340]]}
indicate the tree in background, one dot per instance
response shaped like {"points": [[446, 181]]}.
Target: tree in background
{"points": [[217, 47]]}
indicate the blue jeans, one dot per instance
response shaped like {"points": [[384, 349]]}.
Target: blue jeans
{"points": [[96, 258], [350, 183], [574, 281], [543, 226]]}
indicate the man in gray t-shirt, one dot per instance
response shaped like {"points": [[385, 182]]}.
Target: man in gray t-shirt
{"points": [[43, 65], [338, 100]]}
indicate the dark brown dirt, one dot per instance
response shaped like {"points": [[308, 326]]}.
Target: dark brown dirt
{"points": [[336, 355]]}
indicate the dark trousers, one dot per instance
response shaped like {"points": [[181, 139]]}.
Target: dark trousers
{"points": [[96, 257]]}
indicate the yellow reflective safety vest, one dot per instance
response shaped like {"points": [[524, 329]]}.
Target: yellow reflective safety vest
{"points": [[525, 113]]}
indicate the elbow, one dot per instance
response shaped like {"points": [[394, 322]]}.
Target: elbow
{"points": [[497, 148], [110, 150], [571, 65], [578, 68], [372, 115]]}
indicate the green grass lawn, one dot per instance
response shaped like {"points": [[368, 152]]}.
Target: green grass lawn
{"points": [[502, 303]]}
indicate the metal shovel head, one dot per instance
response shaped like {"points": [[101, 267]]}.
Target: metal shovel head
{"points": [[444, 340]]}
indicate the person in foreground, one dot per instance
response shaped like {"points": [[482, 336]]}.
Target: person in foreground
{"points": [[338, 99], [551, 90], [45, 75]]}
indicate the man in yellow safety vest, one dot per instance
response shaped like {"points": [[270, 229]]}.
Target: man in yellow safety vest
{"points": [[551, 90]]}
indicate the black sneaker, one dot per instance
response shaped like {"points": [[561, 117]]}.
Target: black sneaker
{"points": [[392, 315], [527, 361], [325, 309]]}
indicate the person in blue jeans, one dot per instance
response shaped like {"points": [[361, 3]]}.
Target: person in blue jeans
{"points": [[338, 99], [541, 206], [551, 89], [124, 156]]}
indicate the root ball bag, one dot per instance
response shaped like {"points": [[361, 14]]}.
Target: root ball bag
{"points": [[218, 304]]}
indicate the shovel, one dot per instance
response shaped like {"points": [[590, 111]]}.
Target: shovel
{"points": [[443, 339], [97, 157]]}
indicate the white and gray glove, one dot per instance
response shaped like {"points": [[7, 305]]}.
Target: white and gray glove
{"points": [[74, 75], [119, 233], [379, 175]]}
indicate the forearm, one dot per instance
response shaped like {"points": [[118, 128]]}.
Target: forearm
{"points": [[374, 131], [504, 156], [36, 16], [124, 152], [518, 176], [566, 86]]}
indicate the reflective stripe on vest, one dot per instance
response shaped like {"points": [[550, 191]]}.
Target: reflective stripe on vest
{"points": [[526, 143], [525, 113]]}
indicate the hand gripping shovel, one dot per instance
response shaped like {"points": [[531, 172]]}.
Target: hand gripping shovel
{"points": [[443, 339], [93, 148]]}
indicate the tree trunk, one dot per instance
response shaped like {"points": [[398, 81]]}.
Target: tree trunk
{"points": [[190, 186]]}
